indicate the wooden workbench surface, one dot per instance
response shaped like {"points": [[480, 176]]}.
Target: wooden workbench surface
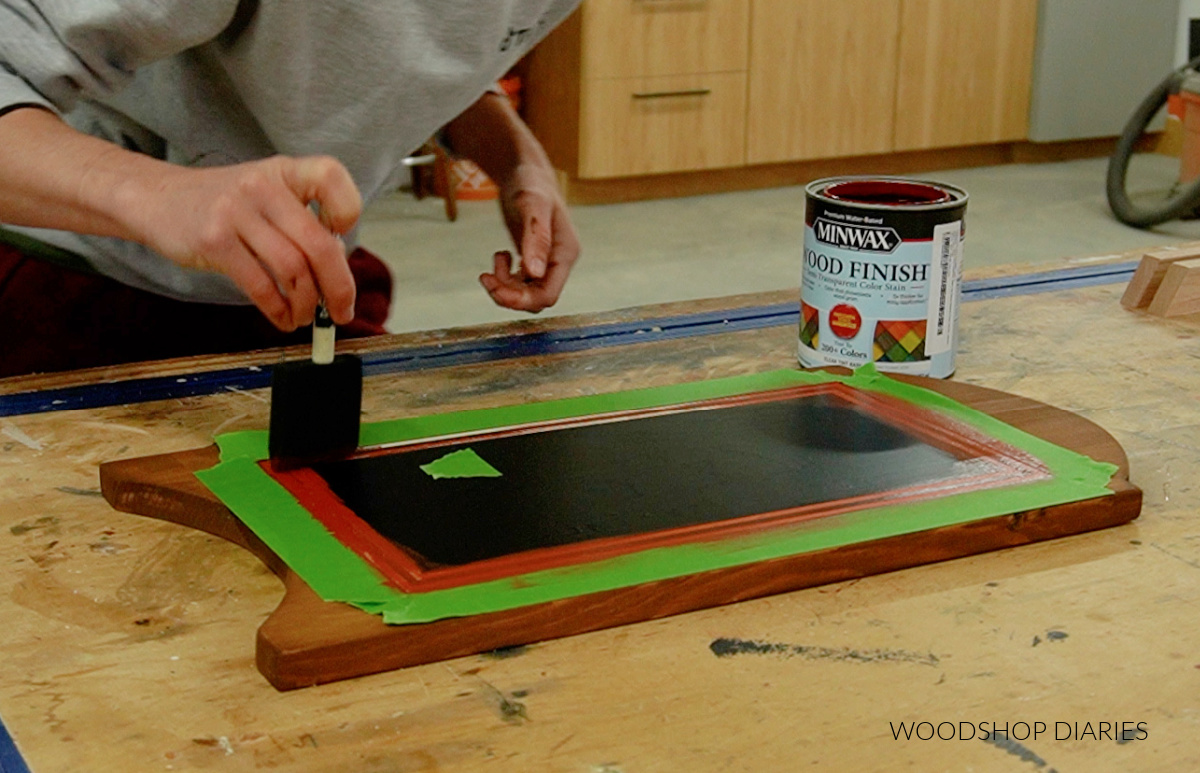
{"points": [[128, 642]]}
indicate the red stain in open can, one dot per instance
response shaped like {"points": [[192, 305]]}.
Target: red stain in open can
{"points": [[882, 274]]}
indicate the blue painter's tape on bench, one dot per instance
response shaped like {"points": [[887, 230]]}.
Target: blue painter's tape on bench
{"points": [[11, 760]]}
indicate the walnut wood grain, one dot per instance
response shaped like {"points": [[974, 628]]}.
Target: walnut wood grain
{"points": [[306, 641]]}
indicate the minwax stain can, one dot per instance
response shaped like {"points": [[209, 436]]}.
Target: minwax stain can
{"points": [[882, 274]]}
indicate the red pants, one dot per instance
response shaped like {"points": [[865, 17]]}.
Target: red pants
{"points": [[53, 318]]}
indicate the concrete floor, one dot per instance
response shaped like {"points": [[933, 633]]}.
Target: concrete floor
{"points": [[706, 246]]}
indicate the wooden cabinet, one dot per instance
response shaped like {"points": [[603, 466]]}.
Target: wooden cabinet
{"points": [[634, 126], [820, 82], [645, 38], [964, 73], [628, 88], [643, 87]]}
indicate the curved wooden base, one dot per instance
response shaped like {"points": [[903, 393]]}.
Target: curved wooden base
{"points": [[307, 641]]}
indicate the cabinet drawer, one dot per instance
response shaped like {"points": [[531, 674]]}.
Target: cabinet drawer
{"points": [[965, 72], [651, 125], [821, 79], [645, 38]]}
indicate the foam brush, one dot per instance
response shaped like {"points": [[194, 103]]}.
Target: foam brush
{"points": [[315, 403]]}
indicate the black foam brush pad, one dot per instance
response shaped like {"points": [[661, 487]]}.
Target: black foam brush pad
{"points": [[315, 410]]}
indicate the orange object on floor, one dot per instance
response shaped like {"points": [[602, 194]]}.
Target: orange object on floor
{"points": [[431, 176], [471, 183], [1189, 159]]}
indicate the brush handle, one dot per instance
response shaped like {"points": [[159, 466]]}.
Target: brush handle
{"points": [[324, 336]]}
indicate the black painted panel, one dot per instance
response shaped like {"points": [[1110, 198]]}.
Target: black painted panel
{"points": [[606, 480]]}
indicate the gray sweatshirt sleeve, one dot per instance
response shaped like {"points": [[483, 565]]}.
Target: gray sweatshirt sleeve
{"points": [[54, 52]]}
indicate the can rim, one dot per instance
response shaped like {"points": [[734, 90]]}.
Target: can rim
{"points": [[947, 196]]}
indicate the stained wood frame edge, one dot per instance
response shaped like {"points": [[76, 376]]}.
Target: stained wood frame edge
{"points": [[289, 662]]}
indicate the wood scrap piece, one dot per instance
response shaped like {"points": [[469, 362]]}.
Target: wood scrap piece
{"points": [[1151, 271], [1179, 292]]}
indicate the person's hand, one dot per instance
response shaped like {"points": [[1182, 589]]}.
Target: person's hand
{"points": [[537, 219], [249, 221], [491, 134], [252, 222]]}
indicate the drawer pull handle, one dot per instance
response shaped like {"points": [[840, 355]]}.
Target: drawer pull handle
{"points": [[666, 94]]}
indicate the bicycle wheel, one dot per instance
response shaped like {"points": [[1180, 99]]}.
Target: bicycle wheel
{"points": [[1150, 204]]}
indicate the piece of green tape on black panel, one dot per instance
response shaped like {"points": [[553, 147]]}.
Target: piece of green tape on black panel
{"points": [[464, 463]]}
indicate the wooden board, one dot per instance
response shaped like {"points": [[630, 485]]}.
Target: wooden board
{"points": [[1151, 270], [307, 641], [1179, 293]]}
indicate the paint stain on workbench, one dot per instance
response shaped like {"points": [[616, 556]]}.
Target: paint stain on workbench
{"points": [[1018, 749], [1051, 636], [725, 648], [508, 707], [79, 492], [506, 653], [47, 524], [221, 743]]}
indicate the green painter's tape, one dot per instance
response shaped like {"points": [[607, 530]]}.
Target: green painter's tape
{"points": [[337, 574], [271, 512], [464, 463]]}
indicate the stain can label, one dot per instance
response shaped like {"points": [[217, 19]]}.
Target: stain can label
{"points": [[882, 274]]}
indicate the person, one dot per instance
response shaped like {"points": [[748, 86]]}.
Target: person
{"points": [[180, 178]]}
